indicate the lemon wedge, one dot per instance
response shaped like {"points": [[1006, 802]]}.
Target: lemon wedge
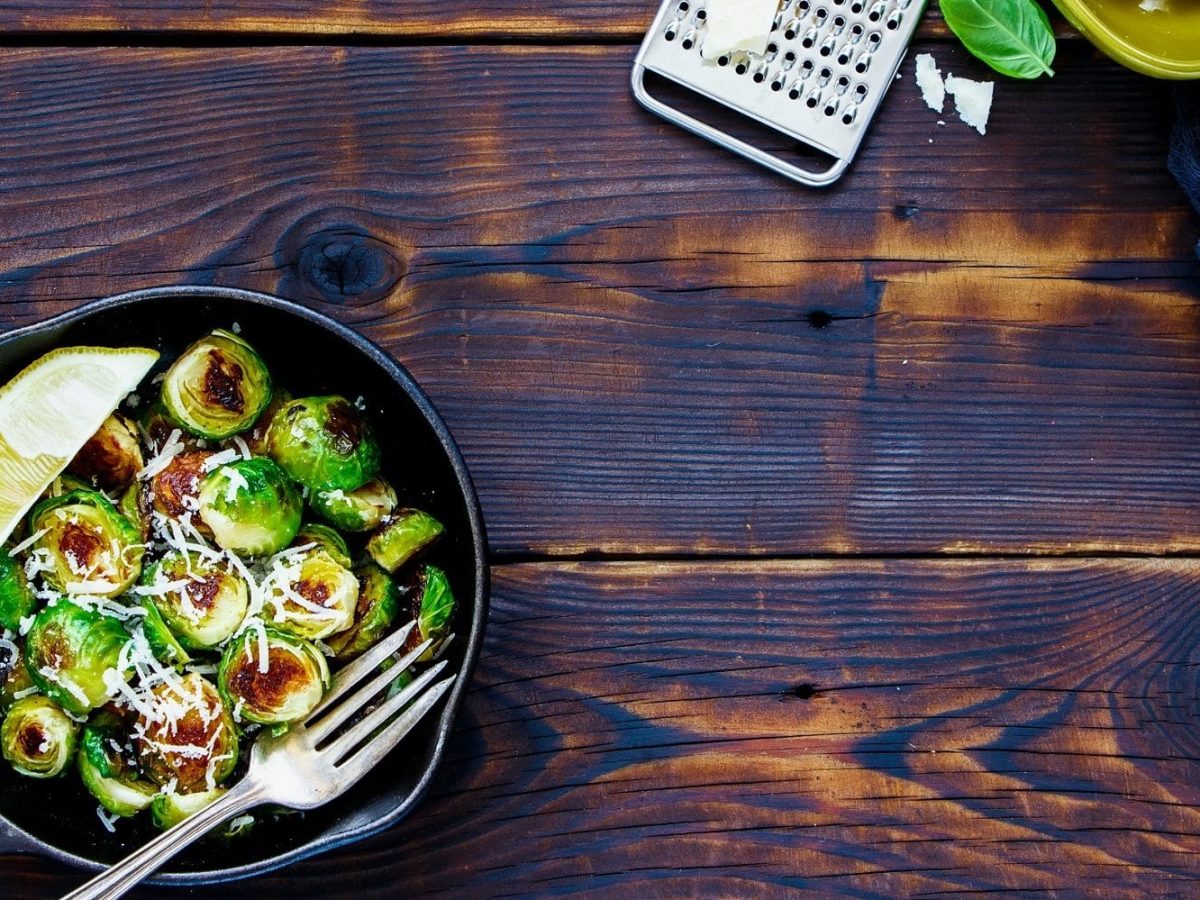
{"points": [[48, 412]]}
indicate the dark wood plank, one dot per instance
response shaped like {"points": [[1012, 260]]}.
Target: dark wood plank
{"points": [[857, 729], [410, 20], [645, 345]]}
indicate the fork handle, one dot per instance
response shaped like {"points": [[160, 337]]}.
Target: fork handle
{"points": [[139, 864]]}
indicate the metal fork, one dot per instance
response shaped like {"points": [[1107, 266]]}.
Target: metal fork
{"points": [[308, 765]]}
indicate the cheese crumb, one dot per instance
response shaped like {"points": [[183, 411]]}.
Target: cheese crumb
{"points": [[1153, 5], [929, 80], [732, 25], [972, 100]]}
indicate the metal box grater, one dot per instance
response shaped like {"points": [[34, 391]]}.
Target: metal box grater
{"points": [[827, 66]]}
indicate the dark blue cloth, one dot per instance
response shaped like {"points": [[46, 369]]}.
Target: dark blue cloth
{"points": [[1183, 159]]}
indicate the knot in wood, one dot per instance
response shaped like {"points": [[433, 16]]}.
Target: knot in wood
{"points": [[340, 263]]}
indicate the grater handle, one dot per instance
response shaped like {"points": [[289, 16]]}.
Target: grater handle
{"points": [[728, 141]]}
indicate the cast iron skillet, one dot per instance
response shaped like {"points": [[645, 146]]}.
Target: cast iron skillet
{"points": [[309, 354]]}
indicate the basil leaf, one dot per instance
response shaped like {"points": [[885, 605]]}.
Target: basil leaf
{"points": [[1011, 36]]}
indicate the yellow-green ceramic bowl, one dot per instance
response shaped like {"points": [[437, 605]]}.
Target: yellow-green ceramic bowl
{"points": [[1162, 40]]}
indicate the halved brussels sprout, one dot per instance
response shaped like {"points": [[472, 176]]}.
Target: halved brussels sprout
{"points": [[402, 536], [250, 506], [311, 595], [286, 689], [202, 601], [217, 387], [37, 737], [16, 596], [325, 538], [112, 457], [169, 809], [362, 509], [109, 766], [174, 491], [16, 682], [324, 443], [191, 740], [91, 548], [163, 644], [376, 610], [69, 652], [256, 437], [432, 608]]}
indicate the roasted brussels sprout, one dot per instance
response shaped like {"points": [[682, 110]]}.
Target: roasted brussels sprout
{"points": [[376, 610], [163, 643], [89, 547], [16, 683], [256, 437], [402, 536], [69, 653], [112, 457], [325, 538], [190, 740], [169, 809], [286, 689], [358, 510], [324, 443], [174, 490], [16, 596], [432, 608], [250, 506], [202, 601], [311, 595], [109, 766], [37, 737], [217, 387]]}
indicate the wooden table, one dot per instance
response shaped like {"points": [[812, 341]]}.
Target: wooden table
{"points": [[843, 541]]}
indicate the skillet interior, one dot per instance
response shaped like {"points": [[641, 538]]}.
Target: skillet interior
{"points": [[308, 358]]}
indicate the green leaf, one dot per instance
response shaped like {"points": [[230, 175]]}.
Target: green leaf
{"points": [[1011, 36]]}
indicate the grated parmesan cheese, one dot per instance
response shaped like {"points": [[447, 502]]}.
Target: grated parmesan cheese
{"points": [[733, 25], [929, 80], [107, 820], [28, 542], [972, 100]]}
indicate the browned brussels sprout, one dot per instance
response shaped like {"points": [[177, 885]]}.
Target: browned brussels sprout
{"points": [[88, 546], [324, 443], [218, 387], [402, 536], [272, 678], [37, 737], [112, 457], [190, 742], [376, 610]]}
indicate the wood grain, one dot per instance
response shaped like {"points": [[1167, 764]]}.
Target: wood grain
{"points": [[643, 344], [573, 21], [872, 728]]}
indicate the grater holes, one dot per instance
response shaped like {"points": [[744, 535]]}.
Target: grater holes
{"points": [[839, 24], [821, 15], [876, 11], [669, 34], [823, 76], [848, 115], [860, 93], [701, 15], [893, 20], [789, 33], [723, 61], [803, 6], [831, 107], [789, 58], [864, 63], [856, 6], [684, 6], [856, 29], [689, 40], [842, 83], [873, 40], [809, 39]]}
